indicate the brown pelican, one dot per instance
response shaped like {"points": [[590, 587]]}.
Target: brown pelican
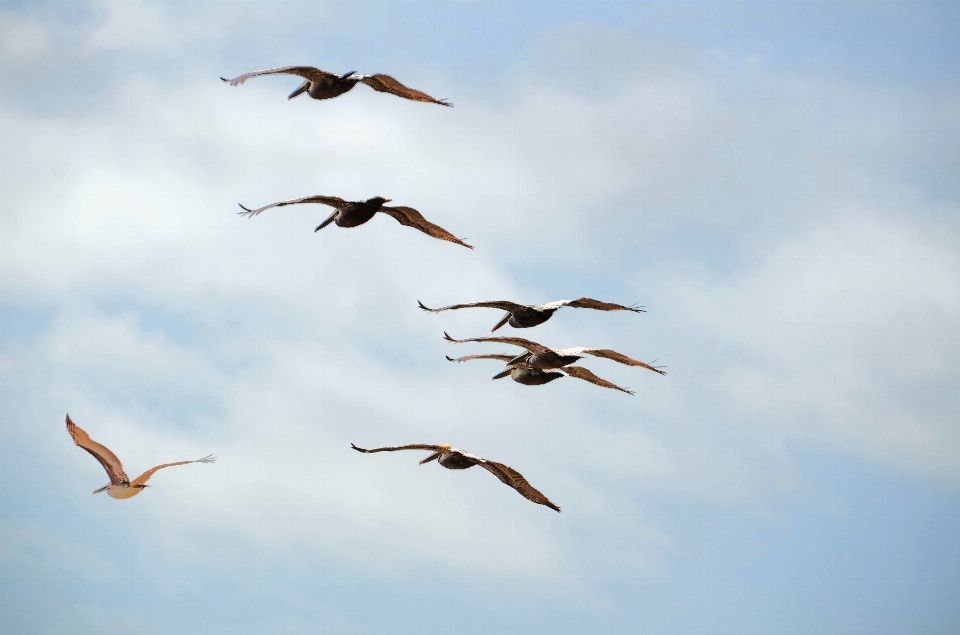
{"points": [[543, 358], [354, 213], [523, 316], [323, 85], [454, 459], [120, 485], [524, 373]]}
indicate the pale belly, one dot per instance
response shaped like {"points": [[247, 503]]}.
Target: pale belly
{"points": [[121, 491]]}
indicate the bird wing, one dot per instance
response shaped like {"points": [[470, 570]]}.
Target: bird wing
{"points": [[107, 459], [143, 478], [533, 347], [503, 305], [590, 303], [386, 84], [412, 218], [608, 354], [515, 479], [307, 72], [582, 373], [394, 448], [332, 201], [502, 358]]}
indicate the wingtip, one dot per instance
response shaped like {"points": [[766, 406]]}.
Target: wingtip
{"points": [[450, 359], [224, 79], [447, 337], [421, 305]]}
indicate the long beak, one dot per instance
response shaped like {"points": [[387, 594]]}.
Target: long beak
{"points": [[327, 222], [432, 457], [102, 489], [521, 358], [304, 86], [504, 373], [505, 319], [346, 75]]}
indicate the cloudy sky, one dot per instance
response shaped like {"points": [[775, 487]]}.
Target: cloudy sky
{"points": [[777, 183]]}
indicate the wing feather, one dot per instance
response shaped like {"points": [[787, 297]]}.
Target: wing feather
{"points": [[502, 358], [101, 453], [386, 84], [412, 218], [307, 72], [394, 448], [503, 305], [582, 373], [608, 354], [143, 478], [590, 303], [332, 201], [515, 479], [533, 347]]}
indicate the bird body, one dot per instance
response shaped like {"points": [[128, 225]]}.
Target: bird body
{"points": [[120, 486], [454, 459], [523, 373], [323, 85], [523, 316], [356, 213]]}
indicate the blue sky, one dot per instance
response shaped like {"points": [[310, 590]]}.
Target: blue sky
{"points": [[776, 182]]}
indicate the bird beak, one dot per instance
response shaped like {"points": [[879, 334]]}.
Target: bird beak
{"points": [[102, 489], [505, 319], [432, 457], [505, 373], [327, 222], [304, 86], [521, 358], [346, 75]]}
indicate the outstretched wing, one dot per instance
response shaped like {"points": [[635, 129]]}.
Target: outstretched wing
{"points": [[503, 305], [515, 479], [107, 459], [412, 218], [394, 448], [608, 354], [590, 303], [307, 72], [582, 373], [533, 347], [332, 201], [502, 358], [143, 478], [386, 84]]}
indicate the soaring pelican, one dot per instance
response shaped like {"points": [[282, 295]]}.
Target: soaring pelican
{"points": [[543, 358], [454, 459], [524, 373], [523, 316], [120, 485], [354, 213], [323, 85]]}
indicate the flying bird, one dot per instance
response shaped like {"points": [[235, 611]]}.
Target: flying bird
{"points": [[120, 485], [323, 85], [524, 373], [542, 358], [454, 459], [524, 316], [355, 213]]}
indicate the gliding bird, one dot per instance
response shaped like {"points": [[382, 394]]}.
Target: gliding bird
{"points": [[120, 485], [523, 316], [524, 373], [323, 85], [543, 358], [454, 459], [355, 213]]}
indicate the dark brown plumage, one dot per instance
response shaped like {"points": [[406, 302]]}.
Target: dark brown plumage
{"points": [[454, 459], [524, 373], [323, 85], [522, 316], [356, 213]]}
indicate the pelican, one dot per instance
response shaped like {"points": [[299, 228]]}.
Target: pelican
{"points": [[323, 85], [355, 213], [454, 459], [543, 358], [524, 373], [524, 316], [120, 485]]}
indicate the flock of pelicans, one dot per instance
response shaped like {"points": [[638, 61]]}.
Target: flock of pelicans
{"points": [[537, 365]]}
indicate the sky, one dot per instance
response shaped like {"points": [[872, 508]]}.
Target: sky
{"points": [[777, 183]]}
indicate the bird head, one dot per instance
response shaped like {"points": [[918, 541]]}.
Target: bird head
{"points": [[505, 373], [520, 358], [378, 201], [305, 86]]}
